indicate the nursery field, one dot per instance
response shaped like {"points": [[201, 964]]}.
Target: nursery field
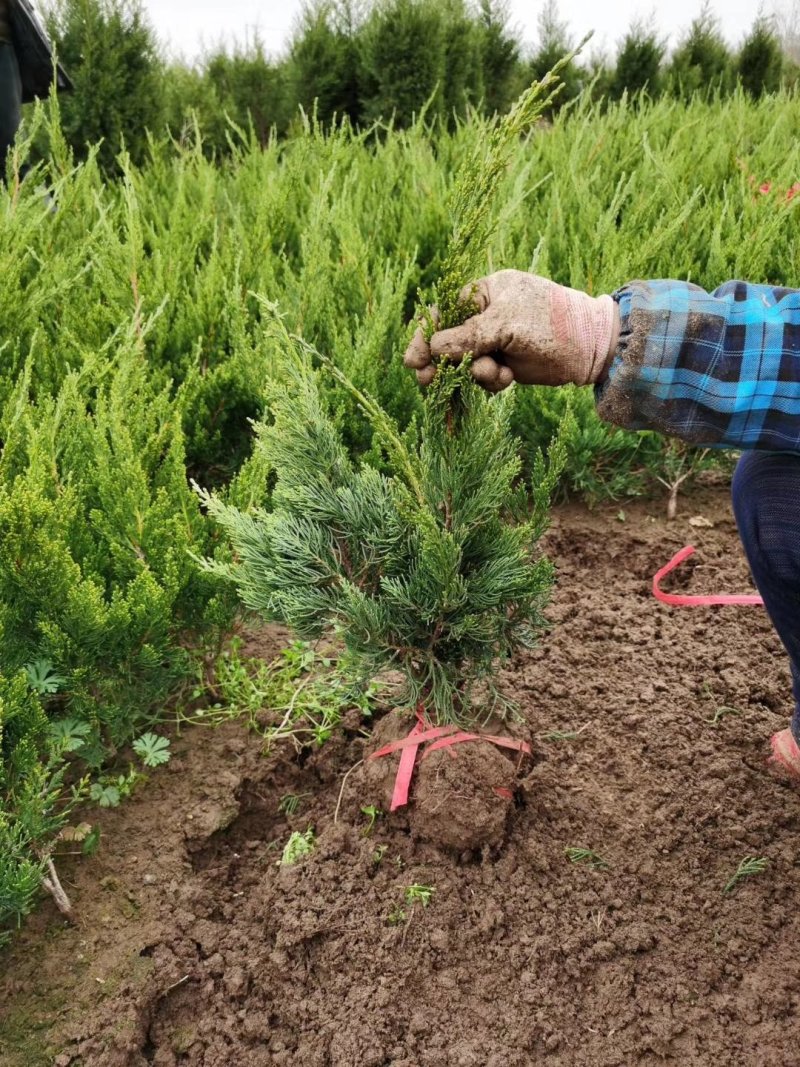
{"points": [[195, 947], [205, 421]]}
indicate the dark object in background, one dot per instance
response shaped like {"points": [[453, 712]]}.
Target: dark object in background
{"points": [[34, 53]]}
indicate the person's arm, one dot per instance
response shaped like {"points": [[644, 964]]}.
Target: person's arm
{"points": [[720, 368]]}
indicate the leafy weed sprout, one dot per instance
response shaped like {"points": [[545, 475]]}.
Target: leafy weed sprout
{"points": [[303, 694], [419, 894], [372, 814], [749, 866], [721, 713], [300, 844], [397, 915], [152, 749], [43, 678]]}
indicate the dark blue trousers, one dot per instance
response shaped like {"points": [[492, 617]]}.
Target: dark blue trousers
{"points": [[766, 502], [10, 102]]}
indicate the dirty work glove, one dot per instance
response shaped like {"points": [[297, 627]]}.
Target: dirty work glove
{"points": [[527, 329]]}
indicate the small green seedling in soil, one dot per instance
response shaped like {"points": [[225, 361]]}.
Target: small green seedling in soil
{"points": [[300, 656], [298, 845], [372, 814], [585, 855], [108, 790], [290, 804], [720, 714], [152, 750], [563, 735], [396, 916], [420, 894], [378, 853], [84, 835], [750, 865]]}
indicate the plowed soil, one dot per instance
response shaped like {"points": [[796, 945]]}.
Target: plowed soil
{"points": [[649, 727]]}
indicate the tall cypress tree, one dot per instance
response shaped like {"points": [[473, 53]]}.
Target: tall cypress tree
{"points": [[111, 54], [760, 62], [323, 67], [702, 62], [638, 63]]}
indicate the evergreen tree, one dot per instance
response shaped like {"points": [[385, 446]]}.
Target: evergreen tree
{"points": [[500, 55], [431, 568], [403, 49], [323, 68], [463, 58], [638, 64], [249, 91], [110, 51], [554, 45], [702, 62], [760, 62]]}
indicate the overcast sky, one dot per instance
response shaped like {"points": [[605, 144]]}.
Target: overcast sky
{"points": [[187, 26]]}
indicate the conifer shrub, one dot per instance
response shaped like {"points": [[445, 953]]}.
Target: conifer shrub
{"points": [[34, 802], [430, 566]]}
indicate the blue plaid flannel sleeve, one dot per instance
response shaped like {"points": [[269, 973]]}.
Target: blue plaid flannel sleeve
{"points": [[719, 368]]}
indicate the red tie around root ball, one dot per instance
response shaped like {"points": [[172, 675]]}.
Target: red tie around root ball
{"points": [[442, 737]]}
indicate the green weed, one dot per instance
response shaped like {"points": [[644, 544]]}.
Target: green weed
{"points": [[300, 844], [419, 894]]}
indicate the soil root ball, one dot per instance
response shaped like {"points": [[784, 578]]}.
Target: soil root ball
{"points": [[456, 803], [461, 796]]}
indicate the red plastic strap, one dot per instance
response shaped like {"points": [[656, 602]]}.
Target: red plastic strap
{"points": [[441, 737], [405, 770], [679, 600], [418, 735], [457, 739]]}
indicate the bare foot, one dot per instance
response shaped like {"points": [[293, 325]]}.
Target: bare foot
{"points": [[785, 754]]}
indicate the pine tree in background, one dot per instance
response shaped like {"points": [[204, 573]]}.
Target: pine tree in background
{"points": [[500, 56], [554, 45], [432, 568], [323, 67], [463, 84], [702, 62], [638, 66], [404, 60], [760, 62], [111, 54], [248, 90]]}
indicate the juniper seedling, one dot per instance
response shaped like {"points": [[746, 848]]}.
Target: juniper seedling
{"points": [[430, 568], [585, 855], [749, 866]]}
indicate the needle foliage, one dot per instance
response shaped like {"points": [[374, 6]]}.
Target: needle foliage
{"points": [[429, 566]]}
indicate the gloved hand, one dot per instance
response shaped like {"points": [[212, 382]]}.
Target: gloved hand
{"points": [[527, 329]]}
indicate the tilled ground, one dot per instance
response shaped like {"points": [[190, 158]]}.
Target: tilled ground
{"points": [[195, 948]]}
